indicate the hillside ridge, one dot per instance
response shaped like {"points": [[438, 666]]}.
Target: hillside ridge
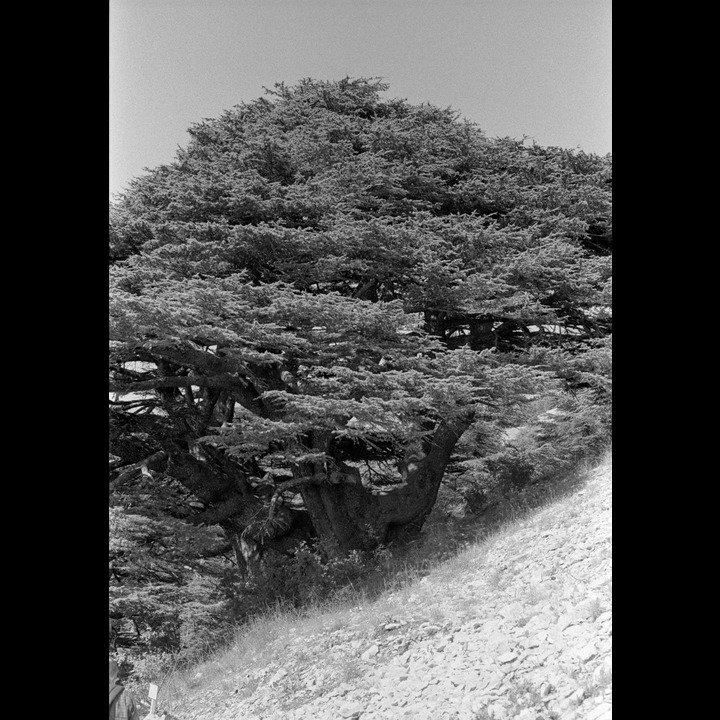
{"points": [[517, 626]]}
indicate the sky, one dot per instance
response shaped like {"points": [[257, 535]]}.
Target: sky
{"points": [[518, 68]]}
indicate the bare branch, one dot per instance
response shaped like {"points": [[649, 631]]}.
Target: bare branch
{"points": [[180, 353]]}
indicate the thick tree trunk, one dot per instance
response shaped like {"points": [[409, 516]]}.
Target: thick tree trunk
{"points": [[243, 512], [227, 496], [350, 516]]}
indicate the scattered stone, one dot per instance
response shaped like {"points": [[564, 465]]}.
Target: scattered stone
{"points": [[586, 609], [371, 652], [507, 657], [567, 689], [513, 611], [428, 629], [492, 683], [498, 711], [279, 675], [565, 620], [498, 641], [570, 715], [601, 712], [352, 711], [587, 653]]}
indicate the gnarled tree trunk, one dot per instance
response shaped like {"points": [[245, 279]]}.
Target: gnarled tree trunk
{"points": [[351, 516]]}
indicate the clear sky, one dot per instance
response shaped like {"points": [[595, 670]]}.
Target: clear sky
{"points": [[537, 68]]}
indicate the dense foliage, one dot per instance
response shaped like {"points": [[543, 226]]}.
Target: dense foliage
{"points": [[327, 301]]}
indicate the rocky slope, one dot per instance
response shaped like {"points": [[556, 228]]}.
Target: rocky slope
{"points": [[517, 627]]}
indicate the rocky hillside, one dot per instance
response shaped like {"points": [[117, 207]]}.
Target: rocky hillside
{"points": [[518, 626]]}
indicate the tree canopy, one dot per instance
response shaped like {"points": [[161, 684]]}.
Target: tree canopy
{"points": [[313, 303]]}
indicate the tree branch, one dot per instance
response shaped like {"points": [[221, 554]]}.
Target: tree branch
{"points": [[316, 479], [130, 470], [224, 381], [180, 353]]}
